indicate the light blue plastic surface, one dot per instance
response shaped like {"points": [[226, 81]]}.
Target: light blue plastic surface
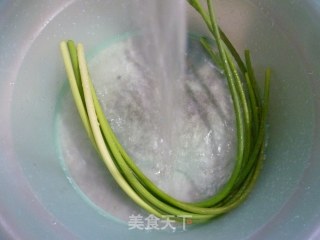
{"points": [[36, 199]]}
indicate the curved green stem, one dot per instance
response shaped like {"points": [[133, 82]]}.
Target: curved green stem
{"points": [[250, 113]]}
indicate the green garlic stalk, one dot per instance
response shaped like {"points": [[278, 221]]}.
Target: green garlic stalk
{"points": [[250, 111]]}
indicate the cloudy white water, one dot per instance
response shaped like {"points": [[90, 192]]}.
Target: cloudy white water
{"points": [[171, 111]]}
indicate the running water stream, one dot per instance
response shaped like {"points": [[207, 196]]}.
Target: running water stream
{"points": [[163, 49]]}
